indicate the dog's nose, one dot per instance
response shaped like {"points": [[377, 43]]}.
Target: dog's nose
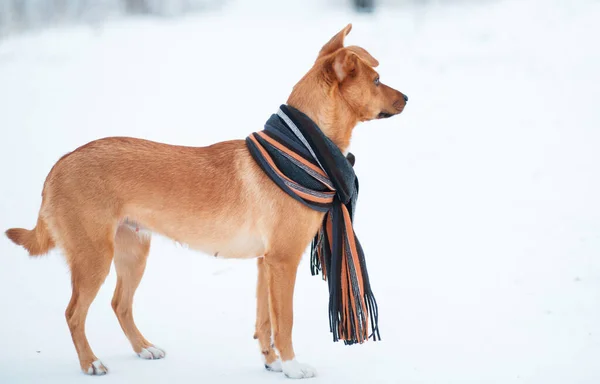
{"points": [[405, 98]]}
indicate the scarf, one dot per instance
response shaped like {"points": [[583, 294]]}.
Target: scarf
{"points": [[293, 151]]}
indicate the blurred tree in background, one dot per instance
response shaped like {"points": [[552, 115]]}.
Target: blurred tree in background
{"points": [[27, 14], [19, 15]]}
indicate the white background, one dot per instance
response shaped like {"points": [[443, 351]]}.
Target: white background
{"points": [[479, 209]]}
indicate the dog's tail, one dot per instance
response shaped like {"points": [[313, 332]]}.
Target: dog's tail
{"points": [[37, 241]]}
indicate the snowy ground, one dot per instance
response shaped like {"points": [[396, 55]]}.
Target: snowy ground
{"points": [[479, 207]]}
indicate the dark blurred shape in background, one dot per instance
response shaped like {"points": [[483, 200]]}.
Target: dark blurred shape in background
{"points": [[364, 5]]}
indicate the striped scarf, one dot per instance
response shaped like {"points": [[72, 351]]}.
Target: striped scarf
{"points": [[309, 167]]}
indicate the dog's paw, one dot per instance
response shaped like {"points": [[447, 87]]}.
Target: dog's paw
{"points": [[295, 370], [152, 353], [274, 366], [96, 369]]}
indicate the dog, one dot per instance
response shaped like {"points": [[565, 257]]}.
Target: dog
{"points": [[102, 201]]}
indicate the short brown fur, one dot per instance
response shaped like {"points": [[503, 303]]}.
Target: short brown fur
{"points": [[215, 198]]}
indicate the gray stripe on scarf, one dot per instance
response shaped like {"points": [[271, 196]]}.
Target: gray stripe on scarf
{"points": [[299, 134]]}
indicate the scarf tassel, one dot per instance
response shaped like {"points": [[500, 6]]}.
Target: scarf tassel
{"points": [[351, 301]]}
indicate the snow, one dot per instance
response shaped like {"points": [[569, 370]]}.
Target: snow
{"points": [[479, 208]]}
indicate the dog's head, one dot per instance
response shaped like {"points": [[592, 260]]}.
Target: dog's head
{"points": [[343, 88], [351, 69]]}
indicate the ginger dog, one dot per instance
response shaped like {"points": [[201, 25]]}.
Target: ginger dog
{"points": [[215, 198]]}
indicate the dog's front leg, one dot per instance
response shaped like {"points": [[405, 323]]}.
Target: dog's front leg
{"points": [[281, 278], [263, 320]]}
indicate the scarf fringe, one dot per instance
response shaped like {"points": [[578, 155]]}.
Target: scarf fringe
{"points": [[351, 302]]}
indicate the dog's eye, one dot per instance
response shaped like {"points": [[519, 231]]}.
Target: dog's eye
{"points": [[376, 81]]}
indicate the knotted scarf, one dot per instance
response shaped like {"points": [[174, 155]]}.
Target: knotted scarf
{"points": [[293, 151]]}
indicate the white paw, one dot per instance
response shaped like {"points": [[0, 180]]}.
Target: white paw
{"points": [[96, 369], [274, 366], [295, 370], [152, 353]]}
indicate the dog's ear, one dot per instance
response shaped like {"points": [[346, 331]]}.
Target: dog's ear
{"points": [[336, 42], [364, 55], [345, 64]]}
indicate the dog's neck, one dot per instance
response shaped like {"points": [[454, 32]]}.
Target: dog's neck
{"points": [[323, 103]]}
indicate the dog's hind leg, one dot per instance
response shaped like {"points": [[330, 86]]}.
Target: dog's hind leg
{"points": [[131, 252], [89, 261], [263, 320]]}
